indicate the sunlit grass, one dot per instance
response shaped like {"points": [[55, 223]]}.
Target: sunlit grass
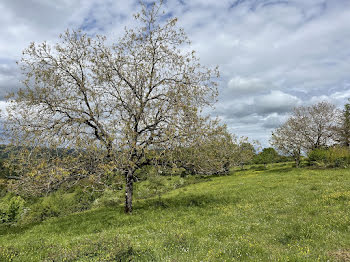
{"points": [[279, 214]]}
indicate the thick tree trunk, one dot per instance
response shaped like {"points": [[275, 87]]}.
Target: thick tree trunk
{"points": [[129, 176]]}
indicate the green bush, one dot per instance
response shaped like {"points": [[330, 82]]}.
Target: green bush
{"points": [[11, 208], [266, 156], [332, 157], [338, 157], [317, 156], [60, 204]]}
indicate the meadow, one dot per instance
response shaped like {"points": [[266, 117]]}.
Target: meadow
{"points": [[278, 214]]}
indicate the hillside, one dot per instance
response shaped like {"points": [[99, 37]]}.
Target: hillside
{"points": [[281, 214]]}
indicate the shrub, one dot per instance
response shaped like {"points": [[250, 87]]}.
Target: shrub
{"points": [[11, 209], [60, 204], [338, 156], [317, 156], [332, 157], [266, 156]]}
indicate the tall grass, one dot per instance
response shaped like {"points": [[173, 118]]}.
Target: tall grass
{"points": [[279, 214]]}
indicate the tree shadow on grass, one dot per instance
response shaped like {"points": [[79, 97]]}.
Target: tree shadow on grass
{"points": [[187, 201], [281, 170]]}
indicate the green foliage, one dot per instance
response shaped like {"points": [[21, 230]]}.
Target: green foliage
{"points": [[3, 171], [317, 156], [282, 159], [11, 208], [343, 129], [266, 156], [331, 157], [59, 204], [338, 156]]}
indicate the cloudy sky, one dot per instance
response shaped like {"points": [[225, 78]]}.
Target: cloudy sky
{"points": [[273, 55]]}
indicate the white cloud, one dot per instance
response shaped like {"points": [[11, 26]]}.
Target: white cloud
{"points": [[241, 85], [273, 120], [258, 106], [339, 98], [276, 101]]}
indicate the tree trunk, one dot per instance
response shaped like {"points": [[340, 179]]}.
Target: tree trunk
{"points": [[297, 159], [297, 162], [129, 176], [242, 166]]}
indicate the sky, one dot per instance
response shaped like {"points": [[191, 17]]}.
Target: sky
{"points": [[273, 55]]}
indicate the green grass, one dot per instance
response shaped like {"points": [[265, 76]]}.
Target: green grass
{"points": [[279, 214]]}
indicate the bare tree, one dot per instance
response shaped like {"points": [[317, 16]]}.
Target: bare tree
{"points": [[316, 124], [288, 140], [122, 100], [245, 151], [308, 128]]}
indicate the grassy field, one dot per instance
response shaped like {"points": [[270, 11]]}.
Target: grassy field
{"points": [[280, 214]]}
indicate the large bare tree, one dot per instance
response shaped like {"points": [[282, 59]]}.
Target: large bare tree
{"points": [[121, 101]]}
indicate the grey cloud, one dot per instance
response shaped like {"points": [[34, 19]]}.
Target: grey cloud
{"points": [[240, 85], [39, 13], [273, 121], [9, 79], [272, 55], [339, 98], [274, 102]]}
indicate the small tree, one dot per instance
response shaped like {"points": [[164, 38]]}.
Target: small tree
{"points": [[288, 140], [115, 103], [244, 151]]}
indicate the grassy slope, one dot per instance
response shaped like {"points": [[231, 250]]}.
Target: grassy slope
{"points": [[282, 214]]}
